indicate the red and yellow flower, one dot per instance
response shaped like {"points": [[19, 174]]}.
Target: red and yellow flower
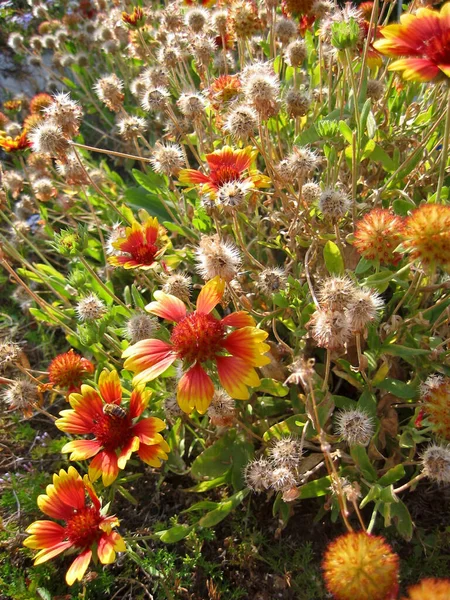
{"points": [[86, 529], [135, 19], [116, 431], [68, 370], [226, 166], [16, 144], [142, 245], [39, 103], [202, 342], [423, 39], [363, 566], [430, 589], [378, 234], [223, 89]]}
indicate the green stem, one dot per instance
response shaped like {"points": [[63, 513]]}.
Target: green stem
{"points": [[444, 153]]}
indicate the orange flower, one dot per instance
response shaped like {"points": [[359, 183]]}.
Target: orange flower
{"points": [[226, 166], [13, 105], [17, 144], [424, 40], [378, 234], [116, 437], [86, 528], [40, 102], [136, 19], [68, 370], [427, 234], [430, 589], [31, 122], [141, 246], [362, 566], [201, 340], [223, 89], [436, 400]]}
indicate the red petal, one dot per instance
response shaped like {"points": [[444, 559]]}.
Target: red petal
{"points": [[138, 402], [109, 387], [81, 449], [167, 307], [239, 319], [153, 455], [44, 534], [48, 553], [69, 487], [147, 430]]}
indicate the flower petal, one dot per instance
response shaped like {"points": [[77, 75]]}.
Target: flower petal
{"points": [[73, 422], [235, 375], [108, 545], [148, 358], [239, 319], [192, 176], [69, 487], [246, 343], [81, 449], [210, 295], [44, 534], [415, 69], [138, 402], [127, 450], [154, 455], [104, 464], [147, 430], [78, 568], [195, 390], [48, 553], [50, 504], [109, 387], [167, 307]]}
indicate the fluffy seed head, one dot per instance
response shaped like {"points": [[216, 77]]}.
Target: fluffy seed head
{"points": [[285, 30], [261, 91], [257, 475], [220, 21], [297, 103], [430, 589], [192, 106], [44, 189], [330, 329], [109, 90], [39, 103], [216, 257], [196, 19], [179, 285], [362, 566], [336, 293], [172, 409], [355, 427], [378, 234], [302, 371], [334, 204], [167, 159], [131, 127], [15, 41], [155, 99], [286, 452], [242, 122], [375, 89], [140, 326], [311, 192], [243, 19], [203, 49], [435, 395], [72, 172], [48, 138], [12, 182], [21, 395], [221, 411], [436, 463], [271, 280], [302, 162], [231, 195], [364, 308], [90, 308], [427, 235], [10, 353], [282, 478]]}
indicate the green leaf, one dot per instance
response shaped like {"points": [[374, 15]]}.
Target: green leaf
{"points": [[126, 494], [403, 390], [393, 475], [205, 486], [346, 132], [403, 351], [343, 402], [333, 259], [399, 514], [359, 455], [368, 403], [202, 505], [174, 534], [140, 198], [223, 510], [293, 424], [314, 489], [381, 156], [272, 387]]}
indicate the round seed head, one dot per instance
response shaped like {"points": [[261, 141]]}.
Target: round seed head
{"points": [[355, 427], [436, 463]]}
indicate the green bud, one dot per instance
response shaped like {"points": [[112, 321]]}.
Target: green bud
{"points": [[345, 34], [71, 243]]}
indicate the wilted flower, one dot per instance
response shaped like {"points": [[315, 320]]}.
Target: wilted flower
{"points": [[200, 340], [217, 258], [359, 565], [355, 426], [117, 433], [86, 527]]}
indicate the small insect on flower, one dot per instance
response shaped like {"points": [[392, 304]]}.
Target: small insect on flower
{"points": [[355, 426], [114, 410], [361, 566], [429, 589]]}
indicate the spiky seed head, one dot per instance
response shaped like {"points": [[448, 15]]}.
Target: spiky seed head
{"points": [[322, 8], [140, 326], [172, 409], [286, 452], [192, 106], [196, 19], [242, 122], [155, 99], [131, 127], [271, 280], [48, 138], [167, 159], [334, 204], [221, 411], [169, 56], [217, 257], [21, 395], [12, 182], [282, 478], [90, 308], [231, 195], [362, 566], [82, 59], [302, 162], [243, 19], [436, 463], [336, 293], [44, 189], [435, 396], [355, 426], [311, 192], [219, 21], [330, 329], [302, 371], [109, 91], [15, 41], [295, 54], [364, 307], [375, 89], [10, 353], [285, 30], [203, 49], [257, 475], [297, 103], [179, 285], [72, 172]]}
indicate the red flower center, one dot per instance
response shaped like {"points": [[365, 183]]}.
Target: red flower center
{"points": [[225, 174], [437, 48], [112, 431], [82, 528], [144, 254], [198, 337]]}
